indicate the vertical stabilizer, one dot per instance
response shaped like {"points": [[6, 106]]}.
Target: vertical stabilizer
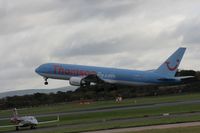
{"points": [[15, 113], [170, 66]]}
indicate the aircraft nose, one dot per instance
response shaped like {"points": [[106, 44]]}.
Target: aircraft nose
{"points": [[37, 70]]}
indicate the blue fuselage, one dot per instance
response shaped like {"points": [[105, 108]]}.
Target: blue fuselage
{"points": [[109, 75]]}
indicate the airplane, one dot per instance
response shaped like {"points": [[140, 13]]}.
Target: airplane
{"points": [[80, 75], [25, 121]]}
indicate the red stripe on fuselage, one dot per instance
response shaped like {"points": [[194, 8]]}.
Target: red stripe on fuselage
{"points": [[72, 72]]}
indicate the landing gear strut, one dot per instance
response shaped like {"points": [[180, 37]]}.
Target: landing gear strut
{"points": [[45, 81], [33, 127], [17, 128]]}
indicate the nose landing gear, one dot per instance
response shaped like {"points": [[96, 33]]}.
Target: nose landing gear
{"points": [[45, 81]]}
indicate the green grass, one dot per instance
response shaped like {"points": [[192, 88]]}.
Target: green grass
{"points": [[128, 113], [111, 125], [67, 107], [194, 129], [101, 120]]}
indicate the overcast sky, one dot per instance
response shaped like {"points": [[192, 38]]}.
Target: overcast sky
{"points": [[134, 34]]}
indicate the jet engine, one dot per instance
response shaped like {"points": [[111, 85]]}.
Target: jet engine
{"points": [[76, 81]]}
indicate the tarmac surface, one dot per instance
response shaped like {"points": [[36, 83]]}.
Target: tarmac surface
{"points": [[46, 129], [120, 130], [132, 129]]}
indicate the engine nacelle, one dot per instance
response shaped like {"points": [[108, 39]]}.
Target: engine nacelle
{"points": [[76, 81]]}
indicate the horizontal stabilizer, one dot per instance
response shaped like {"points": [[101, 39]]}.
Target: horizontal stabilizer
{"points": [[187, 79]]}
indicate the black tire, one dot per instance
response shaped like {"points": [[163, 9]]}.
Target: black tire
{"points": [[17, 128], [33, 127], [46, 83]]}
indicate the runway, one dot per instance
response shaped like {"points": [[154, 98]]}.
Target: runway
{"points": [[121, 108], [46, 129], [106, 109], [166, 126], [56, 127]]}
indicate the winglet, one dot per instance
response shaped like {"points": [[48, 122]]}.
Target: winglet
{"points": [[15, 113], [58, 118], [170, 66]]}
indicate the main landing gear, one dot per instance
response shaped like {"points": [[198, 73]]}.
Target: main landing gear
{"points": [[45, 81], [33, 127], [17, 128]]}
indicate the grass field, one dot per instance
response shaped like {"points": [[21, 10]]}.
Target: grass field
{"points": [[195, 129], [66, 107], [104, 120]]}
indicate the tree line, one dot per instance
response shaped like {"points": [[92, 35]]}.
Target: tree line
{"points": [[101, 92]]}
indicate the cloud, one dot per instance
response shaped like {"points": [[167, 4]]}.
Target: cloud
{"points": [[130, 34], [189, 31]]}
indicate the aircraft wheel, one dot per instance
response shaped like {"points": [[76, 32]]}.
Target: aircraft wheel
{"points": [[17, 128], [46, 83], [87, 83], [33, 127]]}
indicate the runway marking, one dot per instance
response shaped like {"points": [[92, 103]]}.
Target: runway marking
{"points": [[166, 126]]}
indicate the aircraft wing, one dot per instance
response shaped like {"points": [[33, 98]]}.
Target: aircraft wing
{"points": [[52, 121], [93, 78], [6, 126]]}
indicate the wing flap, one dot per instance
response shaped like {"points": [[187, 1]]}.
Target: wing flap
{"points": [[52, 121], [6, 126], [93, 78]]}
